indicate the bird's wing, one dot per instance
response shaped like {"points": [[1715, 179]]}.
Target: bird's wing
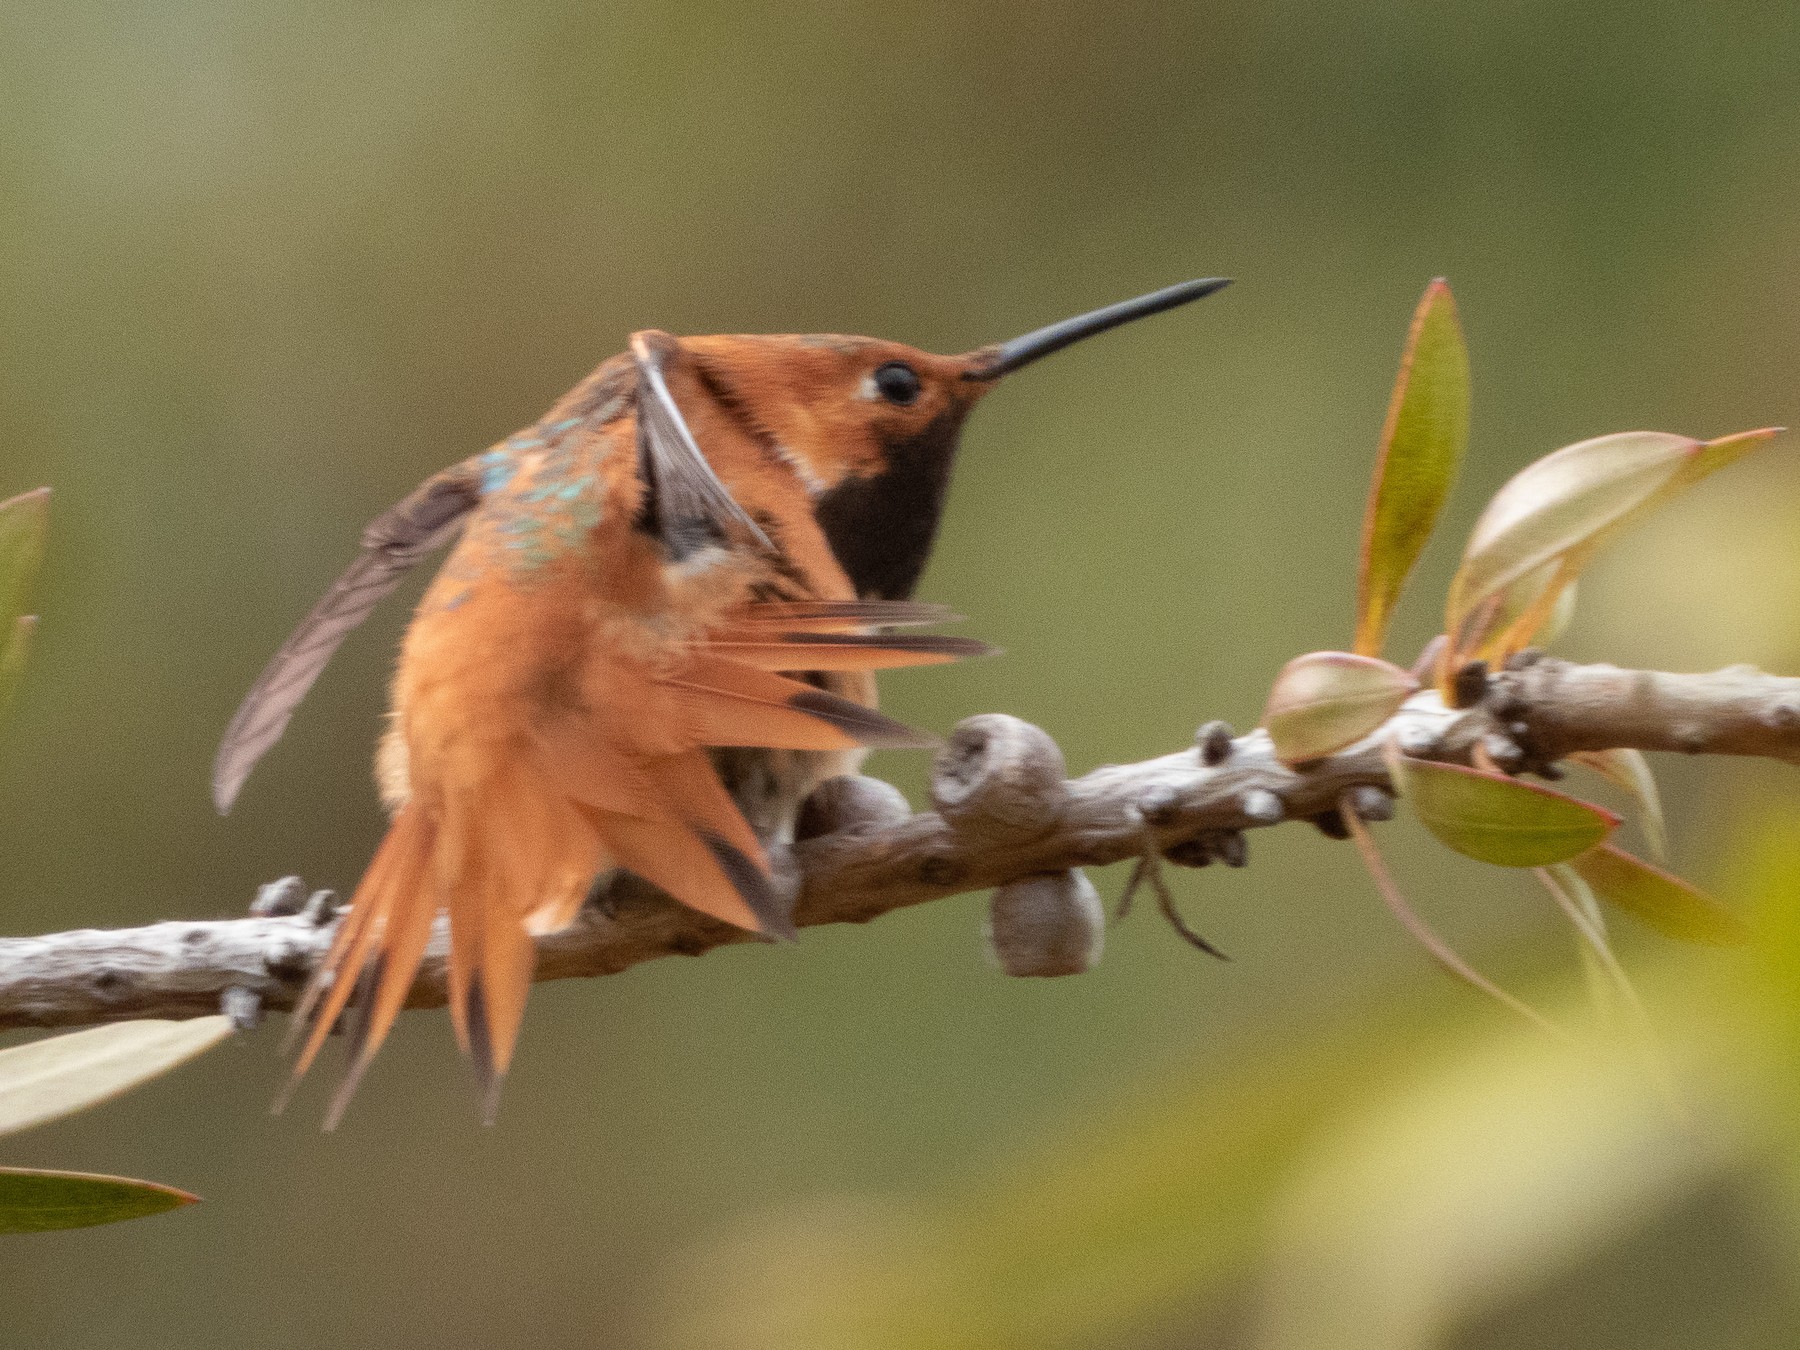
{"points": [[392, 544], [685, 505]]}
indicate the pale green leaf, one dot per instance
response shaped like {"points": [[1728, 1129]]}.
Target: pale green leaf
{"points": [[1562, 614], [1557, 504], [1664, 901], [60, 1075], [1629, 771], [40, 1202], [1616, 1001], [1496, 819], [1565, 505], [23, 522], [1324, 701], [1421, 449]]}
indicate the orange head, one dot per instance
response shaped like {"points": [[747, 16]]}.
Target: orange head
{"points": [[871, 427]]}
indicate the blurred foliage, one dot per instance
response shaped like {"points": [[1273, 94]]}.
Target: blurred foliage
{"points": [[57, 1076], [265, 266], [60, 1075], [22, 528], [1390, 1183]]}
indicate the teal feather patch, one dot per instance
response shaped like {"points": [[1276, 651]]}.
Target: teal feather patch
{"points": [[540, 496]]}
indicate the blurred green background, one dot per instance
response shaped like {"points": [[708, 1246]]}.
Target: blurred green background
{"points": [[263, 266]]}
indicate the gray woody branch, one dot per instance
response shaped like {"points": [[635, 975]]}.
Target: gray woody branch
{"points": [[1005, 817]]}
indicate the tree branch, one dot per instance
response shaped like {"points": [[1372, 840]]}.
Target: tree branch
{"points": [[1003, 813]]}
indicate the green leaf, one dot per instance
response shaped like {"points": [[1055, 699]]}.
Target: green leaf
{"points": [[1629, 771], [23, 522], [45, 1080], [1496, 819], [1422, 446], [1662, 900], [1564, 506], [14, 648], [1324, 701], [39, 1202]]}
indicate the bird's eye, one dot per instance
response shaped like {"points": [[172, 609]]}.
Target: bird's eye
{"points": [[897, 382]]}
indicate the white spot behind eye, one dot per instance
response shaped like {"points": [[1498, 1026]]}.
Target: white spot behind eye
{"points": [[802, 470], [867, 388]]}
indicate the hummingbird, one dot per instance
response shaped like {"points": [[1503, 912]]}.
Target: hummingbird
{"points": [[656, 633]]}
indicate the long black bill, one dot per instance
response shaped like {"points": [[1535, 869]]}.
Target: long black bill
{"points": [[1022, 351]]}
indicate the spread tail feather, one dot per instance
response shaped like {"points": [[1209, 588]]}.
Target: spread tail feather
{"points": [[517, 848], [381, 923], [527, 848], [512, 855]]}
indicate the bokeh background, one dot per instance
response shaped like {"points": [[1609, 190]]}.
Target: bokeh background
{"points": [[264, 265]]}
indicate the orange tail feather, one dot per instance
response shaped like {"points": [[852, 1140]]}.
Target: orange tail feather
{"points": [[512, 854], [395, 878]]}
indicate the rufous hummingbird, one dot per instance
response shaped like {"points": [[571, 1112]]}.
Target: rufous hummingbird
{"points": [[655, 636]]}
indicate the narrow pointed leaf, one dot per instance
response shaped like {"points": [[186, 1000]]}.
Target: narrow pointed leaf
{"points": [[1664, 901], [1608, 988], [40, 1202], [23, 522], [1716, 454], [47, 1079], [1629, 771], [1421, 449], [1496, 819], [1616, 1001], [1324, 701], [14, 648]]}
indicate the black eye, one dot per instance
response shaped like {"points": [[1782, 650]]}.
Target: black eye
{"points": [[897, 382]]}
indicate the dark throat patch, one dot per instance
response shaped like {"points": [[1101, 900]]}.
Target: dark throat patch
{"points": [[881, 528]]}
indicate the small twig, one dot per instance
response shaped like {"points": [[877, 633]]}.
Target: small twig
{"points": [[1149, 869]]}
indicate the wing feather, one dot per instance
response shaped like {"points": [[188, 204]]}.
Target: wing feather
{"points": [[847, 651], [392, 544], [724, 703], [685, 505], [841, 616]]}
